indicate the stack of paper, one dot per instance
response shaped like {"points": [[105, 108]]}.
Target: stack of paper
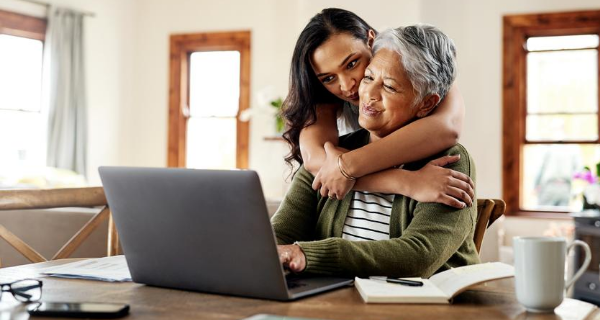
{"points": [[112, 269]]}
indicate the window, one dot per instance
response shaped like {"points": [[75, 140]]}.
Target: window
{"points": [[550, 109], [22, 120], [210, 75], [214, 104]]}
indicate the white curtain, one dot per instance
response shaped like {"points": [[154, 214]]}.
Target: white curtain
{"points": [[67, 122]]}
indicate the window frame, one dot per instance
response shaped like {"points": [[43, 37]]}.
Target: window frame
{"points": [[516, 30], [24, 26], [181, 48], [20, 25]]}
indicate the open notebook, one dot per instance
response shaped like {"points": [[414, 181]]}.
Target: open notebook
{"points": [[440, 288]]}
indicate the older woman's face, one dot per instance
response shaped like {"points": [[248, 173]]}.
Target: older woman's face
{"points": [[340, 64], [386, 95]]}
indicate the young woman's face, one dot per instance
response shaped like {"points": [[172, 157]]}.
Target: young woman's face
{"points": [[387, 97], [340, 63]]}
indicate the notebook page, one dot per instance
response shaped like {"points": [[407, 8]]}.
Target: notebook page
{"points": [[456, 280], [377, 290]]}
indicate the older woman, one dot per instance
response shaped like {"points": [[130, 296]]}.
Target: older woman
{"points": [[367, 234]]}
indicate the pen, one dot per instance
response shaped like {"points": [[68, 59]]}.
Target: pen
{"points": [[405, 282]]}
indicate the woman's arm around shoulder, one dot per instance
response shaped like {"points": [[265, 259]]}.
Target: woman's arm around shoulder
{"points": [[314, 136], [418, 140]]}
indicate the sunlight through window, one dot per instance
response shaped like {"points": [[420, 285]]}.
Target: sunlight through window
{"points": [[214, 105], [22, 123], [562, 114]]}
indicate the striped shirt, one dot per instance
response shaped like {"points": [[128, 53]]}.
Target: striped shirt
{"points": [[368, 217]]}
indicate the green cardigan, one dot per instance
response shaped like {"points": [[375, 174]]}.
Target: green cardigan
{"points": [[425, 238]]}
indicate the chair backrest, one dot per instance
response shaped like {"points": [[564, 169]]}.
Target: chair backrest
{"points": [[488, 211], [59, 198]]}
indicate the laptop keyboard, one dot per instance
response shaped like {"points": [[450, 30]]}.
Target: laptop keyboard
{"points": [[294, 282]]}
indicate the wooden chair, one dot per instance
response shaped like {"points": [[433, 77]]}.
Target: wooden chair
{"points": [[488, 211], [59, 198]]}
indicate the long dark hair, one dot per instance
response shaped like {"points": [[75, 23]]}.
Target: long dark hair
{"points": [[306, 91]]}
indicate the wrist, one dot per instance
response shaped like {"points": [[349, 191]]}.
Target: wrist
{"points": [[404, 182], [349, 165], [301, 252], [341, 167]]}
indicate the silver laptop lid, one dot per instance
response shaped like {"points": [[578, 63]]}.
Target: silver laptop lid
{"points": [[204, 230]]}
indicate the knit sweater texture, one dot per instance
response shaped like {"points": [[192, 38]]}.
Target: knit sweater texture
{"points": [[425, 238]]}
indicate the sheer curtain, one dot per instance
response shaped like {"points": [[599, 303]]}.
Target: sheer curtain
{"points": [[67, 122]]}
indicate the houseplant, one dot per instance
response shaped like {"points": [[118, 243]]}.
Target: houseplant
{"points": [[591, 192], [267, 104]]}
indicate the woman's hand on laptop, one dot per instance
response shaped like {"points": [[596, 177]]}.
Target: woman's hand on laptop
{"points": [[292, 257]]}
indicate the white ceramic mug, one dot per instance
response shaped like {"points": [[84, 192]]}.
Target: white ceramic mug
{"points": [[540, 271]]}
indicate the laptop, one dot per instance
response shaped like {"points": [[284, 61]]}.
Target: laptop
{"points": [[202, 230]]}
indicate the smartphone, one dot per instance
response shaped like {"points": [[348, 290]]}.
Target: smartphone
{"points": [[78, 309]]}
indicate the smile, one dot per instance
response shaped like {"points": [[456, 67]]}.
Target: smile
{"points": [[370, 111]]}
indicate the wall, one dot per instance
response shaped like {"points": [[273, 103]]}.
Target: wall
{"points": [[274, 32], [108, 69]]}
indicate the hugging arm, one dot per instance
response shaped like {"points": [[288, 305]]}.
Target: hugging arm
{"points": [[432, 183], [314, 137], [415, 141]]}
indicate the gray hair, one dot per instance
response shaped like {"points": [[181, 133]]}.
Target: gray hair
{"points": [[427, 54]]}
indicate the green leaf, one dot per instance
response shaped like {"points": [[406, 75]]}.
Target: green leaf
{"points": [[277, 103]]}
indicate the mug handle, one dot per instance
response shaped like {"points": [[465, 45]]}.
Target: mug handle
{"points": [[586, 262]]}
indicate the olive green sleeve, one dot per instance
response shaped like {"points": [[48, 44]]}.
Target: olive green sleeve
{"points": [[296, 218]]}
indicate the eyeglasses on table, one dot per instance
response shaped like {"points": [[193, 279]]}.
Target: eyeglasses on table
{"points": [[25, 290]]}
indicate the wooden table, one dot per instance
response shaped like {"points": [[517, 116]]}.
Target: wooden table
{"points": [[493, 300]]}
